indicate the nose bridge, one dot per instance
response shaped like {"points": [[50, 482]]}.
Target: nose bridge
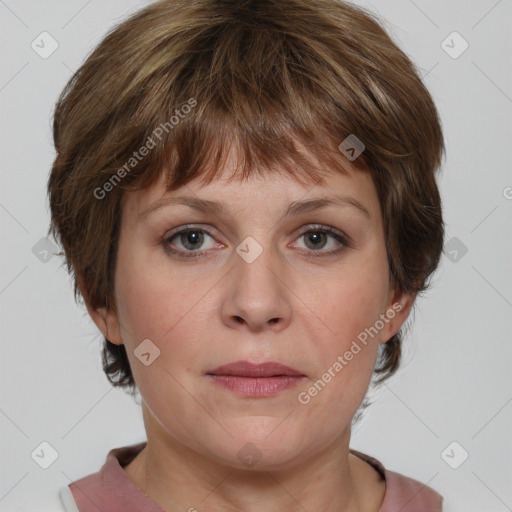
{"points": [[255, 267], [257, 294]]}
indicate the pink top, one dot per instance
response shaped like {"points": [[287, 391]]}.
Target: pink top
{"points": [[111, 490]]}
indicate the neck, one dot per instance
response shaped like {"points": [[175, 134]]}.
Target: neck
{"points": [[178, 478]]}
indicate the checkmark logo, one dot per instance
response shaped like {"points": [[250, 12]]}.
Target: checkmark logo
{"points": [[146, 352], [454, 455], [454, 45], [249, 249], [44, 455], [351, 147], [455, 249], [44, 45]]}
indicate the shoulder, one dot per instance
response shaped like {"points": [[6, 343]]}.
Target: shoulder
{"points": [[403, 493], [410, 495], [109, 489]]}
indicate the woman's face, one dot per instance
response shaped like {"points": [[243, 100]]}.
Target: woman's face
{"points": [[259, 281]]}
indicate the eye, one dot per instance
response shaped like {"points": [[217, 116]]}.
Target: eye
{"points": [[190, 239], [317, 238]]}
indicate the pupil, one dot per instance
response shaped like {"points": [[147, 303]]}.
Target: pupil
{"points": [[315, 236], [192, 237]]}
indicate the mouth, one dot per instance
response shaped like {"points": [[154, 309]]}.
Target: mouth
{"points": [[256, 380]]}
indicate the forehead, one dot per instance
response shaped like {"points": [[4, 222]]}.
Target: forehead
{"points": [[268, 190]]}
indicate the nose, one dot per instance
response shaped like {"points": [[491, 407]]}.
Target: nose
{"points": [[257, 297]]}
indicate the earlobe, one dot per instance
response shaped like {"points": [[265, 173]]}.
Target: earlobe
{"points": [[105, 318], [107, 322], [113, 331], [396, 314]]}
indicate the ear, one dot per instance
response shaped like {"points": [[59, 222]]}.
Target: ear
{"points": [[106, 319], [398, 307]]}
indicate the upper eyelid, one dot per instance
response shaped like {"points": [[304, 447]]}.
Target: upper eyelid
{"points": [[304, 229], [307, 227]]}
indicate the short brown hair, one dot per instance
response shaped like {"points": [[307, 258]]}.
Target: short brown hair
{"points": [[261, 75]]}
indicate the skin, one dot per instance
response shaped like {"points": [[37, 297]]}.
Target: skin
{"points": [[284, 306]]}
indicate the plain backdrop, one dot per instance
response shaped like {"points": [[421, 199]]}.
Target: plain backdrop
{"points": [[452, 398]]}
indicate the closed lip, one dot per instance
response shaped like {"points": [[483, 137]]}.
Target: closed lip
{"points": [[247, 369]]}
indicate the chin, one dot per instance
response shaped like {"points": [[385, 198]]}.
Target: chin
{"points": [[260, 444]]}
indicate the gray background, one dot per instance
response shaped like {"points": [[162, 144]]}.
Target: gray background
{"points": [[455, 381]]}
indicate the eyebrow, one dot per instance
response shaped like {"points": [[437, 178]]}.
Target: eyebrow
{"points": [[295, 208]]}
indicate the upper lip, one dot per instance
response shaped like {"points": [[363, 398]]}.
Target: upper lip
{"points": [[247, 369]]}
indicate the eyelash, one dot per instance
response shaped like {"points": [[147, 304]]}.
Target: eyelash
{"points": [[341, 238]]}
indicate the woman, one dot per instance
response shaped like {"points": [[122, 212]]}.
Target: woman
{"points": [[245, 194]]}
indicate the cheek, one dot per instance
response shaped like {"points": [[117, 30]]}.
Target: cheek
{"points": [[346, 354], [349, 307], [158, 303], [161, 310], [353, 300]]}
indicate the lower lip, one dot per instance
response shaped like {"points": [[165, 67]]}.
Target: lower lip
{"points": [[257, 386]]}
